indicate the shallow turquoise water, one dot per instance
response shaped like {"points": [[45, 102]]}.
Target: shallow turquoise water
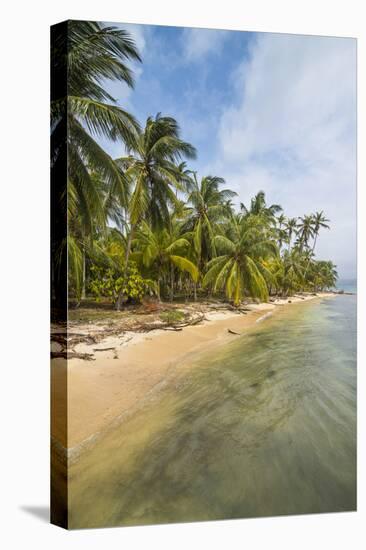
{"points": [[266, 426]]}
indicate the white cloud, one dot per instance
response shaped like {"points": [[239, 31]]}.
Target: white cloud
{"points": [[291, 132], [197, 43]]}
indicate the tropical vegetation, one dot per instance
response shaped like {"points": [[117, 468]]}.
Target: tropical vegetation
{"points": [[144, 224]]}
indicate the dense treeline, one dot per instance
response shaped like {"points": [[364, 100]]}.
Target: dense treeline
{"points": [[145, 224]]}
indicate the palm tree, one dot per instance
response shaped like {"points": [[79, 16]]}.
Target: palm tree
{"points": [[290, 226], [92, 54], [319, 221], [207, 207], [258, 207], [292, 273], [240, 267], [305, 231], [324, 275], [281, 219], [184, 176], [151, 168], [83, 57], [163, 251]]}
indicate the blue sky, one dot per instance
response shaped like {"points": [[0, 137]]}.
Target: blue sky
{"points": [[265, 111]]}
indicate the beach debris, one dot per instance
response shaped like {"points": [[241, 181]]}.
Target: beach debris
{"points": [[72, 355], [233, 332]]}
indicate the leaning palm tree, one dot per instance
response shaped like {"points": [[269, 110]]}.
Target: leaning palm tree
{"points": [[151, 167], [162, 251], [239, 268]]}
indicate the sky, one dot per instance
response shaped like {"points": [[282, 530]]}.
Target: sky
{"points": [[271, 112]]}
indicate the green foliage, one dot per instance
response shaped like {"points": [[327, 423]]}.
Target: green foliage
{"points": [[107, 282], [172, 231], [172, 316]]}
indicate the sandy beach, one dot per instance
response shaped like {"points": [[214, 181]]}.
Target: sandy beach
{"points": [[130, 367]]}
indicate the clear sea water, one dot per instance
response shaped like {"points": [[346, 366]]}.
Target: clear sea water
{"points": [[264, 427]]}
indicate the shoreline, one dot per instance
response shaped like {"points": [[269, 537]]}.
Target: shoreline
{"points": [[131, 368]]}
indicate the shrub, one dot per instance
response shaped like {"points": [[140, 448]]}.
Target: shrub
{"points": [[107, 282], [173, 316]]}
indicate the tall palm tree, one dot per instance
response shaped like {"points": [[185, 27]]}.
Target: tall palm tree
{"points": [[281, 219], [163, 250], [151, 168], [81, 110], [240, 266], [92, 54], [305, 227], [207, 206], [281, 233], [290, 226], [319, 221]]}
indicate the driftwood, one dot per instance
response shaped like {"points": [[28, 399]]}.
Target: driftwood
{"points": [[148, 327], [68, 341], [229, 307], [72, 355], [233, 332], [71, 340]]}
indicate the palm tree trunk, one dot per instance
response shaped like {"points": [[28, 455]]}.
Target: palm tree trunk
{"points": [[128, 249], [171, 282], [312, 252], [127, 256], [83, 283], [316, 236], [158, 287]]}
